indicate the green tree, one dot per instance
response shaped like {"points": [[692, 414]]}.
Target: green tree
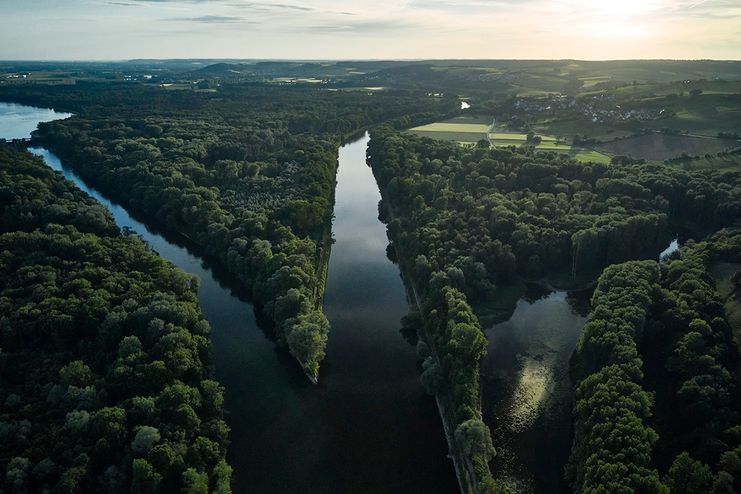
{"points": [[194, 482], [146, 437], [144, 478]]}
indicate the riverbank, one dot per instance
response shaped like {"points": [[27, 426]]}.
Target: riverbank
{"points": [[305, 350], [464, 468]]}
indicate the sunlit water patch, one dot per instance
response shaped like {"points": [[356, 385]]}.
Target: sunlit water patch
{"points": [[673, 247], [526, 388]]}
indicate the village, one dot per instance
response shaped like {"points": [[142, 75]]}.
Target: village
{"points": [[599, 108]]}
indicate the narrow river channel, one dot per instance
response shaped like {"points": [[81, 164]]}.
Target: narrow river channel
{"points": [[367, 426], [526, 390], [527, 394]]}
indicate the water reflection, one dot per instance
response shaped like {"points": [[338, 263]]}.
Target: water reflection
{"points": [[671, 249], [527, 393], [18, 121], [387, 433], [527, 390]]}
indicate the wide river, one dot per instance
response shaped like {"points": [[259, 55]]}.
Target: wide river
{"points": [[368, 425]]}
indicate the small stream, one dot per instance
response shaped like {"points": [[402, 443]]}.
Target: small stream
{"points": [[367, 427]]}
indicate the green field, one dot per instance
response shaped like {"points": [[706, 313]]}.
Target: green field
{"points": [[549, 143], [472, 128], [452, 135], [461, 129], [569, 127], [658, 146], [590, 81], [469, 130], [706, 114], [707, 87], [586, 155], [176, 87], [507, 136]]}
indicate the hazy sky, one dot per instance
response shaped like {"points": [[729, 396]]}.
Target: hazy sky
{"points": [[586, 29]]}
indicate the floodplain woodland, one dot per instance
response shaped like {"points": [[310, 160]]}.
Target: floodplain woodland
{"points": [[485, 276]]}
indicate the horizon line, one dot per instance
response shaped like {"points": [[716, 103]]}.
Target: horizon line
{"points": [[331, 59]]}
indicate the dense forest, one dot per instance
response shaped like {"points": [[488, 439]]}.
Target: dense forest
{"points": [[105, 375], [106, 381], [464, 220], [246, 173], [498, 213], [657, 402]]}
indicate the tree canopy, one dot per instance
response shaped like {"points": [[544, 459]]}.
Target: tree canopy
{"points": [[105, 374], [247, 174]]}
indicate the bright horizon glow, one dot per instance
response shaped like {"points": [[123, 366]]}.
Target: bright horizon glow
{"points": [[369, 29]]}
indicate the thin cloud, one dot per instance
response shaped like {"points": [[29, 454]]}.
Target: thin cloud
{"points": [[464, 5], [265, 7], [273, 7], [231, 3], [212, 19], [417, 28], [362, 27], [703, 9]]}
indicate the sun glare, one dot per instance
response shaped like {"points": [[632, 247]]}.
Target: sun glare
{"points": [[615, 29], [623, 8], [622, 19]]}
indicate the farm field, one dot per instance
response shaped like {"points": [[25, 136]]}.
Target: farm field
{"points": [[569, 127], [658, 147], [469, 130], [705, 115], [466, 137], [678, 87], [549, 143], [461, 129], [695, 108], [590, 81]]}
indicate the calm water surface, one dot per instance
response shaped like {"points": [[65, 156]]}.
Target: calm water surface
{"points": [[18, 121], [527, 391], [367, 426], [386, 432], [673, 247]]}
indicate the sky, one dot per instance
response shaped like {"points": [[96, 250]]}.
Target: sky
{"points": [[369, 29]]}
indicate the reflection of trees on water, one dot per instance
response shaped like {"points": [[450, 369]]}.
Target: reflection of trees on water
{"points": [[526, 387]]}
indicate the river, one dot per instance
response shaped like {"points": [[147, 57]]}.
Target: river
{"points": [[367, 426]]}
